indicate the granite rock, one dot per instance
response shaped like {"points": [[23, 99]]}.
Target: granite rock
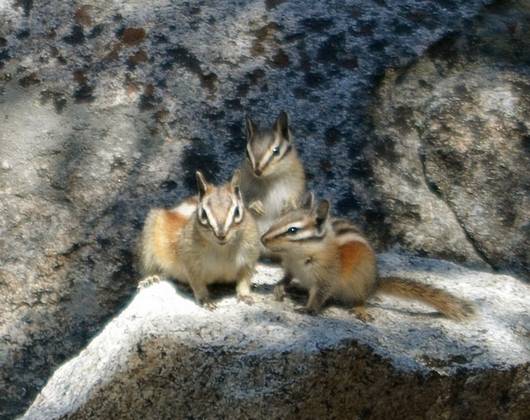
{"points": [[164, 357], [450, 156], [107, 109]]}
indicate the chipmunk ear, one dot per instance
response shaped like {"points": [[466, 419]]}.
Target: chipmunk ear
{"points": [[202, 185], [307, 200], [250, 128], [322, 212], [281, 126]]}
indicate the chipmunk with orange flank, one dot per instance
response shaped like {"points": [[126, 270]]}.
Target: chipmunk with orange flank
{"points": [[272, 175], [333, 260], [209, 238]]}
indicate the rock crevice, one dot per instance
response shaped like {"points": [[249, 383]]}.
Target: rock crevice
{"points": [[433, 188]]}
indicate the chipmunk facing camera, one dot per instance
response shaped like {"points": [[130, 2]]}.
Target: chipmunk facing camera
{"points": [[332, 259], [209, 238], [272, 175]]}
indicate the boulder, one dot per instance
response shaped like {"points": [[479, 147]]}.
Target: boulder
{"points": [[165, 357], [451, 151], [108, 108]]}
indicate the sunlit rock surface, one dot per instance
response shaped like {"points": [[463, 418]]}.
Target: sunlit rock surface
{"points": [[108, 108], [165, 357]]}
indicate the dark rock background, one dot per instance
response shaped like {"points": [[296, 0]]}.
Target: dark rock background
{"points": [[107, 110]]}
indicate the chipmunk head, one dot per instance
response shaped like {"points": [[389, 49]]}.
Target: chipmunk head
{"points": [[304, 225], [220, 210], [267, 150]]}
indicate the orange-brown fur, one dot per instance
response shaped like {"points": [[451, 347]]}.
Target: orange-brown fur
{"points": [[351, 254], [176, 243], [333, 260], [444, 302]]}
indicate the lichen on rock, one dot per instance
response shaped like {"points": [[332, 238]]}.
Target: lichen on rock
{"points": [[108, 109]]}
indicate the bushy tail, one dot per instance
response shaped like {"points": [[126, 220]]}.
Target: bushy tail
{"points": [[446, 303]]}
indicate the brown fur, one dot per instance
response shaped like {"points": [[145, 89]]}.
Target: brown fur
{"points": [[281, 180], [351, 255], [331, 259], [176, 243], [449, 305], [174, 221]]}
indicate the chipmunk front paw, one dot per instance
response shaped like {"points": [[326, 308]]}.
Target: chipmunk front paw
{"points": [[148, 281], [208, 304], [257, 207], [361, 314], [279, 293], [305, 310], [249, 300]]}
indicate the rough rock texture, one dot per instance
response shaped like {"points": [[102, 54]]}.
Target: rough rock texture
{"points": [[164, 357], [107, 108], [452, 155]]}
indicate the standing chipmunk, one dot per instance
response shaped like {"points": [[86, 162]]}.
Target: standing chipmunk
{"points": [[209, 238], [272, 176], [331, 259]]}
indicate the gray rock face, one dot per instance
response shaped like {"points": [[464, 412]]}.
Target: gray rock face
{"points": [[451, 156], [165, 357], [108, 109]]}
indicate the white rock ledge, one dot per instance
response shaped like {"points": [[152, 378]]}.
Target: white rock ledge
{"points": [[165, 357]]}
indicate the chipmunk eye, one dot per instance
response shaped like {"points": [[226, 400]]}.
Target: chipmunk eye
{"points": [[292, 230], [203, 217], [276, 150], [237, 213]]}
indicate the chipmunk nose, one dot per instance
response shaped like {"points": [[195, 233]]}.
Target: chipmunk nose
{"points": [[258, 171], [221, 237]]}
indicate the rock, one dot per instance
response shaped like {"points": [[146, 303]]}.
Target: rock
{"points": [[108, 109], [165, 357], [451, 155]]}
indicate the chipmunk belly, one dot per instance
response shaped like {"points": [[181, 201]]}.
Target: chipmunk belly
{"points": [[298, 269], [219, 264], [278, 197]]}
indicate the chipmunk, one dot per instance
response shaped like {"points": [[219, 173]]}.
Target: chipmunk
{"points": [[332, 259], [272, 175], [209, 238]]}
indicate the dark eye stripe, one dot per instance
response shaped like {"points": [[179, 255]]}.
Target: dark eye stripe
{"points": [[289, 234], [287, 149], [278, 157], [271, 156], [239, 209], [314, 238], [203, 220], [291, 230], [342, 231]]}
